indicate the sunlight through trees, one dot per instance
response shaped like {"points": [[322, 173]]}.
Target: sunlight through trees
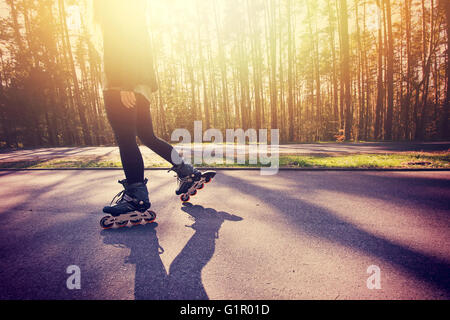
{"points": [[318, 70]]}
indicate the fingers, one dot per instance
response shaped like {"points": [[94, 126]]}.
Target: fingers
{"points": [[133, 98], [124, 97], [128, 99]]}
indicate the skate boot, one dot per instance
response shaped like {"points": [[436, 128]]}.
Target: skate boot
{"points": [[130, 205], [190, 180]]}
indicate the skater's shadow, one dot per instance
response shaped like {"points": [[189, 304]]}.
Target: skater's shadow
{"points": [[151, 276], [183, 281]]}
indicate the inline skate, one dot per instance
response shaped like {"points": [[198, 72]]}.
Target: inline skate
{"points": [[190, 180], [130, 205]]}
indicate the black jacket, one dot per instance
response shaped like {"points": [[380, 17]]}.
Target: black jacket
{"points": [[128, 58]]}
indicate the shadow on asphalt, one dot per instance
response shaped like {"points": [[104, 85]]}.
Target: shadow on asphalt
{"points": [[183, 281], [50, 152], [320, 222]]}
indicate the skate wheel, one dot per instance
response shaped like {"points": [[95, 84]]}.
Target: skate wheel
{"points": [[136, 222], [185, 197], [152, 218], [122, 224], [201, 186], [193, 192], [105, 224], [148, 221], [208, 179]]}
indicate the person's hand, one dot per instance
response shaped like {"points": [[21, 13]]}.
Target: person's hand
{"points": [[128, 99]]}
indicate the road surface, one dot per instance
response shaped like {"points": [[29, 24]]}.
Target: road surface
{"points": [[296, 235], [112, 153]]}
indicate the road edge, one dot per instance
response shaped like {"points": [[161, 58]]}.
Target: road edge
{"points": [[231, 169]]}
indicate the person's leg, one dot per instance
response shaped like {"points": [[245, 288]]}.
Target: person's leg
{"points": [[147, 135], [187, 174], [123, 123]]}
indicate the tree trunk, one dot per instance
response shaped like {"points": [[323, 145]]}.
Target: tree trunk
{"points": [[273, 64], [445, 134], [223, 72], [290, 72], [345, 68], [407, 100], [389, 72], [81, 108], [335, 98], [380, 93]]}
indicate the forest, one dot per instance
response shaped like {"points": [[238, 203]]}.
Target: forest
{"points": [[317, 70]]}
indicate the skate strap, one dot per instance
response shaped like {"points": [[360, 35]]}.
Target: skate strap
{"points": [[118, 196]]}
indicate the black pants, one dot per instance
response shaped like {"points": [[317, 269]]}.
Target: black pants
{"points": [[129, 123]]}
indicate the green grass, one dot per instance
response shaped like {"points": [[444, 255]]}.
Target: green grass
{"points": [[403, 160], [400, 160]]}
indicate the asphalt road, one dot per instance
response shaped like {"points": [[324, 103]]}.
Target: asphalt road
{"points": [[297, 235], [112, 153]]}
